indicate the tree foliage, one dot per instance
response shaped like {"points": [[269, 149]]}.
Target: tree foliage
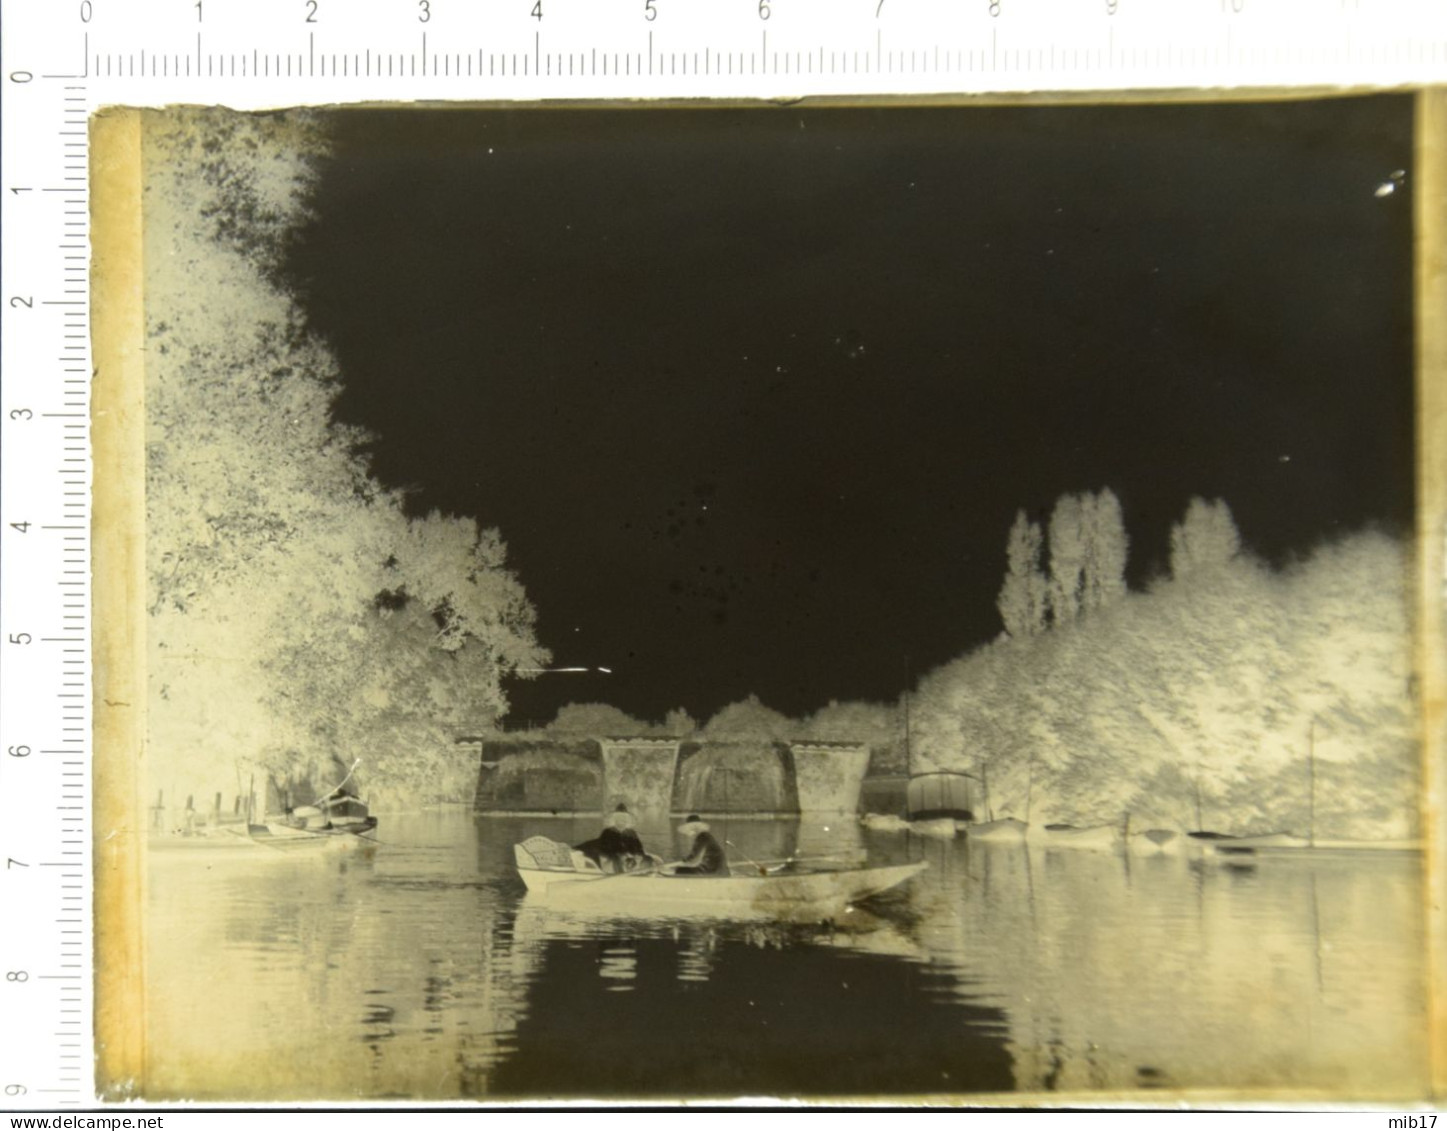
{"points": [[750, 719], [1106, 550], [1216, 693], [597, 720], [1024, 599], [1067, 558], [1204, 539], [298, 615]]}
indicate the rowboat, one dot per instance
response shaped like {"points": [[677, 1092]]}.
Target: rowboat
{"points": [[744, 891], [285, 837], [1007, 830], [338, 820], [1095, 838]]}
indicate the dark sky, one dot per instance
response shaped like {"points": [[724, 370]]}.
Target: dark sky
{"points": [[754, 394]]}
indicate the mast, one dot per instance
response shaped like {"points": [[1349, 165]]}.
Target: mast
{"points": [[1311, 783], [908, 766]]}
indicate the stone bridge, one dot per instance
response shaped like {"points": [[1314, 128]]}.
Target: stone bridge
{"points": [[657, 777]]}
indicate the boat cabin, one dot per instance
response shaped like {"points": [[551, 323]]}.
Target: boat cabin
{"points": [[931, 796]]}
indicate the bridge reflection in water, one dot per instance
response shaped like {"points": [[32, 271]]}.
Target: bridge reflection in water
{"points": [[424, 972]]}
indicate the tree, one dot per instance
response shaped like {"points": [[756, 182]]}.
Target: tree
{"points": [[679, 723], [1106, 550], [1025, 596], [750, 719], [1206, 537], [880, 726], [597, 720], [1262, 700], [299, 617], [1067, 558]]}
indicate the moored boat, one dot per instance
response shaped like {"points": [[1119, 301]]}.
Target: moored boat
{"points": [[945, 828], [1223, 844], [287, 837], [1097, 838], [1007, 830], [1155, 842], [339, 819]]}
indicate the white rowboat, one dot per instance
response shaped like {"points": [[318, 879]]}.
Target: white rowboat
{"points": [[659, 892]]}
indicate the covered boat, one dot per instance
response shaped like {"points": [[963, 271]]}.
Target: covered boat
{"points": [[937, 796]]}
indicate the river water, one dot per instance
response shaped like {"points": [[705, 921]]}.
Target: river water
{"points": [[422, 971]]}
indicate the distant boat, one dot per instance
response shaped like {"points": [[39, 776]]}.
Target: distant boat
{"points": [[1007, 830], [946, 828], [340, 818], [1097, 838], [1155, 842], [288, 838], [1224, 844]]}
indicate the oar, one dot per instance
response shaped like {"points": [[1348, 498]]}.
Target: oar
{"points": [[761, 869], [767, 870]]}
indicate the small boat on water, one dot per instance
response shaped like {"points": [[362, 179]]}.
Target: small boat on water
{"points": [[339, 819], [1155, 842], [550, 868], [1224, 844], [287, 837], [1095, 838], [945, 828], [1007, 830]]}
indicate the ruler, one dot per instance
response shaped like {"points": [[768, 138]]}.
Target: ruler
{"points": [[45, 941], [63, 59]]}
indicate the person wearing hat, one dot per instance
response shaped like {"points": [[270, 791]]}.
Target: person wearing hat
{"points": [[706, 857], [618, 848], [619, 841]]}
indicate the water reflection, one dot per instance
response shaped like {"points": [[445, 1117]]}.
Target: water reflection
{"points": [[426, 972]]}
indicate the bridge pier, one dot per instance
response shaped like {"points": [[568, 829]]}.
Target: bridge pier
{"points": [[829, 775], [639, 773]]}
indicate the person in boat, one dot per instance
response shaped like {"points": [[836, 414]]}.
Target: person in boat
{"points": [[706, 856], [618, 848]]}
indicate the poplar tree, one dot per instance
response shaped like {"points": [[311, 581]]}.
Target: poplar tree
{"points": [[1106, 550], [1067, 558], [1206, 537], [1024, 596]]}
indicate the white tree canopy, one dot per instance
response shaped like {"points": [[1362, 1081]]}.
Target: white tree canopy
{"points": [[298, 615]]}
